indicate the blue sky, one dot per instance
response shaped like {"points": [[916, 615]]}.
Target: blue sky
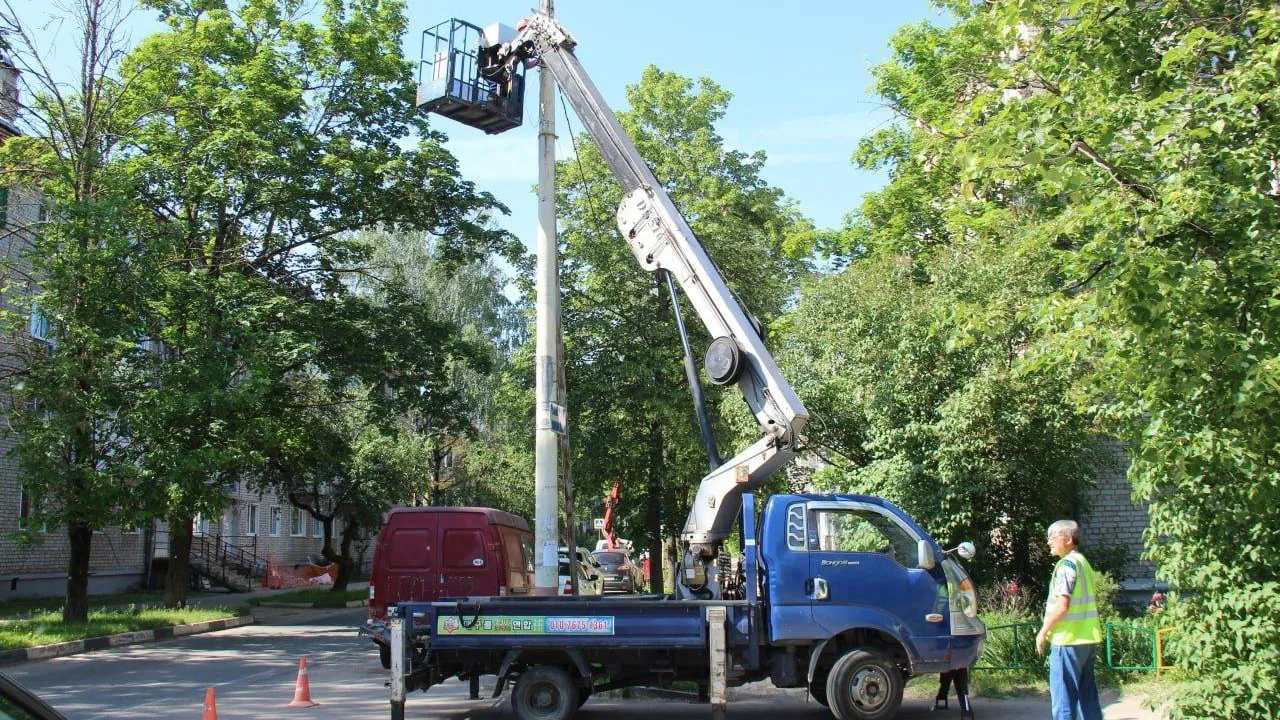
{"points": [[798, 71]]}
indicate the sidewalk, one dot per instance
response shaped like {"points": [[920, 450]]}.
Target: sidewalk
{"points": [[230, 598]]}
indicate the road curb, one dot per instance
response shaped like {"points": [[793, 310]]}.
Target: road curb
{"points": [[313, 606], [102, 642]]}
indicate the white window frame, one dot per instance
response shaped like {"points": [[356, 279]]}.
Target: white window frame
{"points": [[317, 528], [251, 520], [297, 525], [275, 521]]}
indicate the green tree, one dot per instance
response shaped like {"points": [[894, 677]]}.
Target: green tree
{"points": [[472, 298], [909, 368], [630, 414], [279, 138], [334, 455], [80, 275], [1136, 146]]}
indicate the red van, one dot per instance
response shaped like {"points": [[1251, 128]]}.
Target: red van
{"points": [[429, 553]]}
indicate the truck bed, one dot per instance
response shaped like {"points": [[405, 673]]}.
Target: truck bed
{"points": [[586, 623]]}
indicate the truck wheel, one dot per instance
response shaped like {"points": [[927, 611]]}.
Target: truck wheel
{"points": [[544, 693], [864, 684], [384, 654]]}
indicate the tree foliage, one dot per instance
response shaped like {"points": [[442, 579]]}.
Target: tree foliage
{"points": [[279, 137], [471, 298], [908, 367], [1134, 146]]}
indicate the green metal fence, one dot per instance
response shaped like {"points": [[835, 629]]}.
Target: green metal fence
{"points": [[1126, 647]]}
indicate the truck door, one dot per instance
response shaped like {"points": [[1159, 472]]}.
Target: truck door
{"points": [[467, 567], [409, 571], [863, 563]]}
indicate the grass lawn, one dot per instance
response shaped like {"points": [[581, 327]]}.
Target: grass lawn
{"points": [[22, 607], [46, 628], [1012, 683], [322, 597]]}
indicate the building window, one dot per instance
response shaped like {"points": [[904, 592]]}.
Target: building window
{"points": [[297, 526], [202, 525], [25, 509], [4, 206], [40, 327], [252, 518], [275, 522], [317, 528]]}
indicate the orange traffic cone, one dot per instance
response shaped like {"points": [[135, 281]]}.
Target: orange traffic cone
{"points": [[210, 707], [302, 689]]}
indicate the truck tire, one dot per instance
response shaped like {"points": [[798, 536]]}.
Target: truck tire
{"points": [[864, 684], [544, 693], [384, 655]]}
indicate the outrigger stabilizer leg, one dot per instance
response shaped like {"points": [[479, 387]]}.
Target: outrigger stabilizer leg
{"points": [[961, 678]]}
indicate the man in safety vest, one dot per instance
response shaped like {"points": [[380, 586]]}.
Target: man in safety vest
{"points": [[1071, 628]]}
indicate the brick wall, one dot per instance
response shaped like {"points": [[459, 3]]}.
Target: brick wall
{"points": [[1113, 519]]}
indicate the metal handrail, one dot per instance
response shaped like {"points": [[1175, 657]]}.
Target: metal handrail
{"points": [[225, 556], [1107, 659]]}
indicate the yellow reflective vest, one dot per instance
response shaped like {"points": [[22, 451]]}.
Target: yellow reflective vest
{"points": [[1080, 626]]}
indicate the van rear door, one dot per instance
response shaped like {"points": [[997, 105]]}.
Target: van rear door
{"points": [[468, 565], [519, 566], [410, 568]]}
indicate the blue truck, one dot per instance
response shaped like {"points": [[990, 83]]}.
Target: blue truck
{"points": [[844, 595]]}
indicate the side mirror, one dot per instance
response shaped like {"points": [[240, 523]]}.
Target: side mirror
{"points": [[925, 557], [966, 550]]}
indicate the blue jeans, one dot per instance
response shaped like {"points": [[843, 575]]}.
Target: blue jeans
{"points": [[1071, 684]]}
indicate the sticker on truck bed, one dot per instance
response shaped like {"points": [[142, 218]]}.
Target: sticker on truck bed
{"points": [[526, 625]]}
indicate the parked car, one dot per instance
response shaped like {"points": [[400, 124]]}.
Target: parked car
{"points": [[590, 578], [20, 703], [619, 572], [432, 553]]}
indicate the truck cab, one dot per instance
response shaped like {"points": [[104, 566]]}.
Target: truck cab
{"points": [[855, 570]]}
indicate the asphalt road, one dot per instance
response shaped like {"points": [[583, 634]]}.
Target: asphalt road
{"points": [[253, 669]]}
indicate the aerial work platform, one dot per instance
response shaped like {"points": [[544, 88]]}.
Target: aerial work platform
{"points": [[450, 82]]}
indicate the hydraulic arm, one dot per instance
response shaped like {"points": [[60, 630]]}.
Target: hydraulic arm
{"points": [[660, 239]]}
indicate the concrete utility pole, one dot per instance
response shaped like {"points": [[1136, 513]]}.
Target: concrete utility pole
{"points": [[550, 414]]}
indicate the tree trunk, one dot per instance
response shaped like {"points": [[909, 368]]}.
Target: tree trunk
{"points": [[76, 609], [653, 508], [178, 575], [346, 566], [343, 558]]}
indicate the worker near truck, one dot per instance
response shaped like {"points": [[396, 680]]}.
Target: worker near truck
{"points": [[1071, 627]]}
